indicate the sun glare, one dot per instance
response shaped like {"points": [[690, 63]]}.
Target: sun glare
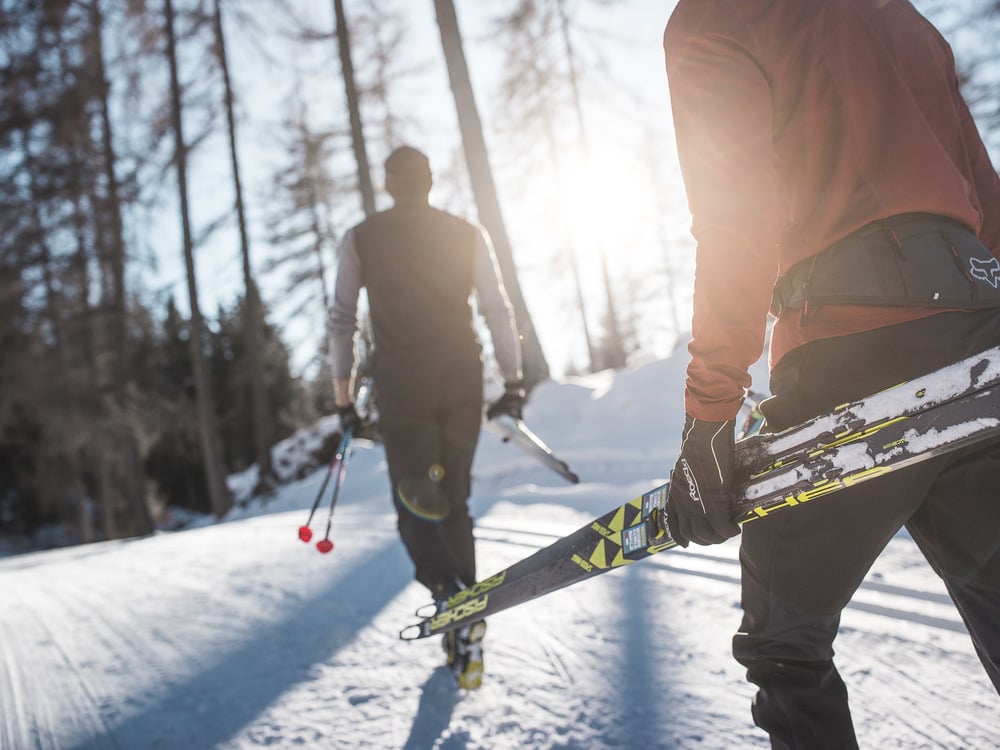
{"points": [[602, 201], [606, 213]]}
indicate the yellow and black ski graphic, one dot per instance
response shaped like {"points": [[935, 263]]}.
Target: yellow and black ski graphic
{"points": [[638, 529]]}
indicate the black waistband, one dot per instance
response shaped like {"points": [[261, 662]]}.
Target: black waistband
{"points": [[903, 226], [914, 259]]}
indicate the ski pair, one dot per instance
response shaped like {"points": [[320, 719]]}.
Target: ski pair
{"points": [[761, 453], [338, 464], [915, 421]]}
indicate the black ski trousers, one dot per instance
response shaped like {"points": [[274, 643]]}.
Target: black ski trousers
{"points": [[800, 569], [429, 417]]}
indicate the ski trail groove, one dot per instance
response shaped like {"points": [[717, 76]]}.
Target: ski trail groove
{"points": [[55, 703]]}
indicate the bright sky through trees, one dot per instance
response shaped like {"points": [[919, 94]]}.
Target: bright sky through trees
{"points": [[627, 198]]}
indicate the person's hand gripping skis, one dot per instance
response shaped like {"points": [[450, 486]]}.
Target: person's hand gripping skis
{"points": [[510, 403], [701, 500]]}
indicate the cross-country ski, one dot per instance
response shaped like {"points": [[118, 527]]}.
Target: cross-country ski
{"points": [[917, 421]]}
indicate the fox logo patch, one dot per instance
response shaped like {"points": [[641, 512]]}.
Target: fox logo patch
{"points": [[986, 270]]}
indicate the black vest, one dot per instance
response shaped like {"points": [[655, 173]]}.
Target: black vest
{"points": [[418, 264]]}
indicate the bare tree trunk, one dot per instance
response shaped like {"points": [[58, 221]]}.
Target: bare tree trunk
{"points": [[536, 369], [109, 515], [119, 325], [317, 249], [219, 497], [89, 444], [86, 442], [614, 348], [80, 265], [133, 480], [354, 110], [52, 306], [253, 318], [77, 494], [591, 354], [79, 491]]}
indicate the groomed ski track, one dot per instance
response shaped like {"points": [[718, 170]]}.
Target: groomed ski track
{"points": [[231, 636], [236, 635]]}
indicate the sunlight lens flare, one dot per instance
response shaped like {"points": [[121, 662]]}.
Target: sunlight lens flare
{"points": [[423, 496], [598, 199]]}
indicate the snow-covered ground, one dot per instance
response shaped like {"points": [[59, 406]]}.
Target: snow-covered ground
{"points": [[237, 635]]}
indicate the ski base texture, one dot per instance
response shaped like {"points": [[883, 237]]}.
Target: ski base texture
{"points": [[857, 442]]}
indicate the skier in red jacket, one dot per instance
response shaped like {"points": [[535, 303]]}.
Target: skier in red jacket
{"points": [[835, 178]]}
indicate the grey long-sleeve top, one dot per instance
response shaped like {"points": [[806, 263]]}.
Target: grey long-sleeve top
{"points": [[491, 302]]}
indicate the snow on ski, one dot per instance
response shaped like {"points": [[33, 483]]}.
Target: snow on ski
{"points": [[845, 422], [952, 414]]}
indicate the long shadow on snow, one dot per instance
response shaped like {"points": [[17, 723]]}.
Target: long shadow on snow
{"points": [[228, 694], [635, 668], [640, 665], [438, 698]]}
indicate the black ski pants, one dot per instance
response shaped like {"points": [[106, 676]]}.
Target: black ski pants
{"points": [[800, 569], [430, 413]]}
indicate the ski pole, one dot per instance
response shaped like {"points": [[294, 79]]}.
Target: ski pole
{"points": [[305, 533], [325, 545], [339, 459]]}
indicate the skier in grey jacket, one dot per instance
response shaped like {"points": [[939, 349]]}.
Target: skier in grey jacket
{"points": [[420, 267]]}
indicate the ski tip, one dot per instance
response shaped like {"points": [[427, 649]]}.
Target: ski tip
{"points": [[324, 545], [409, 633], [427, 610], [305, 534], [571, 476]]}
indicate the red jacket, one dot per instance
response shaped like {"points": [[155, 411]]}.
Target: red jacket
{"points": [[798, 122]]}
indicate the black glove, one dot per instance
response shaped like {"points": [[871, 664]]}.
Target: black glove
{"points": [[349, 419], [511, 402], [700, 503]]}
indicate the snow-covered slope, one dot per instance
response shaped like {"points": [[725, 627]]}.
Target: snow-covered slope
{"points": [[237, 635]]}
